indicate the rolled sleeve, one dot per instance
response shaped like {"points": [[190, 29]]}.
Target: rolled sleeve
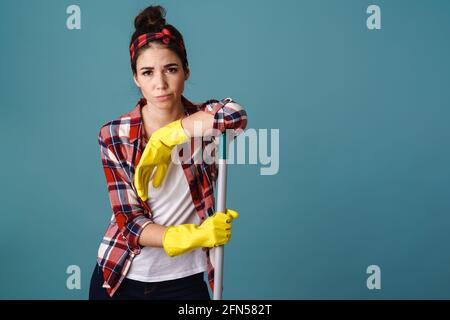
{"points": [[128, 212], [228, 114]]}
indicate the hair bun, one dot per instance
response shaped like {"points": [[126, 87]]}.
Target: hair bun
{"points": [[152, 17]]}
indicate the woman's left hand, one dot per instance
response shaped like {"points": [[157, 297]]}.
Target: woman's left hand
{"points": [[157, 154]]}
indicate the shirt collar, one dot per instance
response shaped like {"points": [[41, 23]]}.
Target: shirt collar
{"points": [[136, 121]]}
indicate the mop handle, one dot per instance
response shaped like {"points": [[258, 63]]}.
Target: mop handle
{"points": [[220, 207]]}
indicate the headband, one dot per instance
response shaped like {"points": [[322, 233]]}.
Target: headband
{"points": [[146, 38]]}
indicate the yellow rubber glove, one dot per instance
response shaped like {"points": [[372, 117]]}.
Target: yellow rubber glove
{"points": [[157, 154], [214, 231]]}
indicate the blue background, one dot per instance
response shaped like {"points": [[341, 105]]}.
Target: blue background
{"points": [[364, 130]]}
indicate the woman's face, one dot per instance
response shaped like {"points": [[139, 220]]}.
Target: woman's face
{"points": [[159, 72]]}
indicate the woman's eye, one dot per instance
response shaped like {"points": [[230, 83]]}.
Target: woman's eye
{"points": [[171, 70]]}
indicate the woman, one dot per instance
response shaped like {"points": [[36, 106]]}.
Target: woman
{"points": [[162, 196]]}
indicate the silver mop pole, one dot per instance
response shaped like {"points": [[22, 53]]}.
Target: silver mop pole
{"points": [[220, 207]]}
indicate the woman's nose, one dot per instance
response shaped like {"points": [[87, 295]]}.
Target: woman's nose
{"points": [[160, 80]]}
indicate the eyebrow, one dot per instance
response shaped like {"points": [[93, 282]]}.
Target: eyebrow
{"points": [[166, 66]]}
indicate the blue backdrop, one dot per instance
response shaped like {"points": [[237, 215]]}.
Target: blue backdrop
{"points": [[363, 119]]}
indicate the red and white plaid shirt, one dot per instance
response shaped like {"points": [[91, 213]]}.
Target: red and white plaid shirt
{"points": [[122, 142]]}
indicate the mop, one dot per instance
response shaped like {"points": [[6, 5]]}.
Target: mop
{"points": [[217, 252]]}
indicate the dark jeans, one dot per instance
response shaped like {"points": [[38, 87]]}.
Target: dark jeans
{"points": [[188, 288]]}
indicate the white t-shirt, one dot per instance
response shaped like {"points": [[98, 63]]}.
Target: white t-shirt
{"points": [[171, 204]]}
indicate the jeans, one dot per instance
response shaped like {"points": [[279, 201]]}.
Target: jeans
{"points": [[188, 288]]}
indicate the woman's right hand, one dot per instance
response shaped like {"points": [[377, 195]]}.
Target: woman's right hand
{"points": [[214, 231], [217, 228]]}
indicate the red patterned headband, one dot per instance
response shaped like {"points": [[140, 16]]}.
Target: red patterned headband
{"points": [[146, 38]]}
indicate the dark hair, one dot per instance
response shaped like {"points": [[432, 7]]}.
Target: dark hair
{"points": [[151, 19]]}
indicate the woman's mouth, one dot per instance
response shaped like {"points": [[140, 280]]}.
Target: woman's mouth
{"points": [[163, 98]]}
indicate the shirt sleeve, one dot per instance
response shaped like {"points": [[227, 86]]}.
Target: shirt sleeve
{"points": [[128, 212], [228, 114]]}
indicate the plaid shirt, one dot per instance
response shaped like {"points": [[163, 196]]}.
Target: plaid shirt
{"points": [[122, 142]]}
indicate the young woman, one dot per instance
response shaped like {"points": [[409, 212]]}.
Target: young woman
{"points": [[160, 186]]}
